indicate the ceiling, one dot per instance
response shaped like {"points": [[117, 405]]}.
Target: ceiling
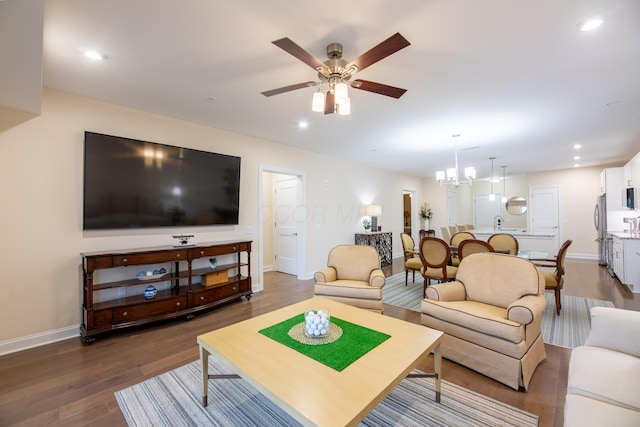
{"points": [[515, 79]]}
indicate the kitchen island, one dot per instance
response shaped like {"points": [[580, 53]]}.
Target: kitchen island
{"points": [[527, 241]]}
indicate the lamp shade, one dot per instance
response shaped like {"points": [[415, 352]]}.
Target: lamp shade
{"points": [[470, 173], [451, 173], [344, 107], [373, 210], [341, 93], [317, 104]]}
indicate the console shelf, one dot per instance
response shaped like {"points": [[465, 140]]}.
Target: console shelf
{"points": [[181, 299]]}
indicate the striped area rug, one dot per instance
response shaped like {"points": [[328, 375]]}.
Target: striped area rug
{"points": [[174, 399], [569, 329]]}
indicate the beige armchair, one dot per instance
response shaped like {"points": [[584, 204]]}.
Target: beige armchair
{"points": [[352, 276], [491, 316]]}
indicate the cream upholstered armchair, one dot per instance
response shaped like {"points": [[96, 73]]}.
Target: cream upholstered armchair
{"points": [[491, 316], [352, 276]]}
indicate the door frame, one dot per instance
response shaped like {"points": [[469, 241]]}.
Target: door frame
{"points": [[415, 223], [301, 247]]}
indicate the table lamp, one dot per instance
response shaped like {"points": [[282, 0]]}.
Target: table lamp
{"points": [[374, 211]]}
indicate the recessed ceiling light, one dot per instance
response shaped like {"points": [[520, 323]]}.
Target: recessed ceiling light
{"points": [[577, 146], [303, 125], [591, 24], [576, 158], [94, 54], [576, 165]]}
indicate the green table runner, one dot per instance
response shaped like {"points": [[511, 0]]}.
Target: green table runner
{"points": [[355, 342]]}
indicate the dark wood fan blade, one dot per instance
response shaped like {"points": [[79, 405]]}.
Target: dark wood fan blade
{"points": [[287, 88], [330, 103], [381, 51], [290, 47], [379, 88]]}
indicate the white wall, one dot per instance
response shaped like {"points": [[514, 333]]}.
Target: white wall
{"points": [[41, 170]]}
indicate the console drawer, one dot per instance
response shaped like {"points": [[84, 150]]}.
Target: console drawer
{"points": [[150, 308], [217, 250], [149, 258], [217, 293]]}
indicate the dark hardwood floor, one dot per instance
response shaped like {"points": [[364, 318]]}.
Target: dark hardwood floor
{"points": [[70, 384]]}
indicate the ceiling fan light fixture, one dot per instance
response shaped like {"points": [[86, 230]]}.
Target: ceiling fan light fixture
{"points": [[341, 92], [344, 107], [317, 103]]}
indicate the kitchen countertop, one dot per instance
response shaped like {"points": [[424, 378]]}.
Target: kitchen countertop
{"points": [[522, 232], [625, 234]]}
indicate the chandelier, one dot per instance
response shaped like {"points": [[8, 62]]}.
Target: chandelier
{"points": [[450, 176]]}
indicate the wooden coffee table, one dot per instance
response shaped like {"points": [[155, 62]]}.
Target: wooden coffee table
{"points": [[312, 393]]}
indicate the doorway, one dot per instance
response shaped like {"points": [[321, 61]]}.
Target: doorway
{"points": [[409, 224], [544, 212], [285, 195], [282, 230]]}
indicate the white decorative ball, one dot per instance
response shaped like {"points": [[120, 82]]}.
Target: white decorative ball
{"points": [[317, 323]]}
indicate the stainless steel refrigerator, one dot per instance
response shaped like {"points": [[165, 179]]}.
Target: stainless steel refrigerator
{"points": [[603, 239]]}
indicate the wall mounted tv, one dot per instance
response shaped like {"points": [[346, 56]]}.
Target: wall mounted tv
{"points": [[137, 184]]}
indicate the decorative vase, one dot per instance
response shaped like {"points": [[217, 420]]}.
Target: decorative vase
{"points": [[150, 292], [425, 226], [422, 222]]}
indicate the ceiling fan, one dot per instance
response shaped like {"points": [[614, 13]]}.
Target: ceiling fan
{"points": [[336, 72]]}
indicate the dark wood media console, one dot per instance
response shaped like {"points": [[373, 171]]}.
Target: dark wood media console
{"points": [[182, 299]]}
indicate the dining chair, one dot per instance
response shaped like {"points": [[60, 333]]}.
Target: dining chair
{"points": [[435, 255], [425, 233], [453, 229], [461, 227], [456, 238], [472, 246], [470, 227], [554, 280], [446, 236], [411, 258], [504, 241]]}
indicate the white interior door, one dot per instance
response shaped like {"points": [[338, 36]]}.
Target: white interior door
{"points": [[485, 210], [286, 242], [544, 216]]}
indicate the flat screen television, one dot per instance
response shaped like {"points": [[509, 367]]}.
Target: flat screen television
{"points": [[130, 183]]}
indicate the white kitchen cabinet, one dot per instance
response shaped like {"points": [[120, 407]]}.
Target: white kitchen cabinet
{"points": [[626, 261], [611, 183], [631, 172]]}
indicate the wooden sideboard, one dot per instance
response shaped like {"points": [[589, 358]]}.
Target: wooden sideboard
{"points": [[182, 298], [381, 241]]}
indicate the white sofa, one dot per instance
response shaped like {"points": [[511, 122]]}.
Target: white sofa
{"points": [[604, 374]]}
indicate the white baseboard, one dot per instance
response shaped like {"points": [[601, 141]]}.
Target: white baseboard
{"points": [[24, 343]]}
